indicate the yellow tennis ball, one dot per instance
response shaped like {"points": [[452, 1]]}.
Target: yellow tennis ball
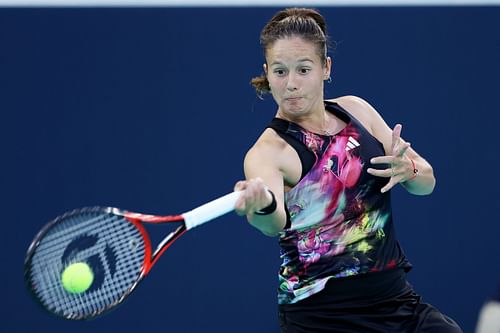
{"points": [[77, 278]]}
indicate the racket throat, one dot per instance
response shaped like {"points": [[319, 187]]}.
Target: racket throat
{"points": [[163, 246]]}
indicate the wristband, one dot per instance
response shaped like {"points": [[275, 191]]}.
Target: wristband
{"points": [[415, 170], [269, 209]]}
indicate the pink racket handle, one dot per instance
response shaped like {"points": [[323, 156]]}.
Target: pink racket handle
{"points": [[211, 210]]}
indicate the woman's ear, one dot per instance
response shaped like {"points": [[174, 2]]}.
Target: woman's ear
{"points": [[328, 68], [264, 66]]}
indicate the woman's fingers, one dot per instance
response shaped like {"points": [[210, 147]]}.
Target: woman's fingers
{"points": [[396, 136], [397, 170], [401, 149], [380, 172], [382, 160], [389, 185], [254, 196]]}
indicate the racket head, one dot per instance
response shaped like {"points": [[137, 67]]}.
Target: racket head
{"points": [[116, 248]]}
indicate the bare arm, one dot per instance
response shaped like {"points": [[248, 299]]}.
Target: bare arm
{"points": [[262, 173], [398, 154]]}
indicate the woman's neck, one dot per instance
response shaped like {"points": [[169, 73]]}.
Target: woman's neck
{"points": [[319, 121]]}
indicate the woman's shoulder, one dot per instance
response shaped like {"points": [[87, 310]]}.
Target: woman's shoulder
{"points": [[269, 142], [349, 99], [368, 117], [354, 105], [271, 152], [358, 108]]}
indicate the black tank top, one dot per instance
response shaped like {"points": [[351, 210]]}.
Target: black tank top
{"points": [[340, 225]]}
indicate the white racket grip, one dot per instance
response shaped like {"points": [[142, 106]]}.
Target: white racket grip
{"points": [[211, 210]]}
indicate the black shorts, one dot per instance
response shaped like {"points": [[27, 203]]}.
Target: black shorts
{"points": [[381, 302]]}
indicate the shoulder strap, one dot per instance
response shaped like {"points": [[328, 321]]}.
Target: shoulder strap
{"points": [[338, 111], [307, 157]]}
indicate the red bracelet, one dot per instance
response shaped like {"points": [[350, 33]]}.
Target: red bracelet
{"points": [[415, 170]]}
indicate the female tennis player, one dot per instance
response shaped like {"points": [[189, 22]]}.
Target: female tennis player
{"points": [[320, 176]]}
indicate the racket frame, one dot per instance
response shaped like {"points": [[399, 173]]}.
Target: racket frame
{"points": [[188, 220]]}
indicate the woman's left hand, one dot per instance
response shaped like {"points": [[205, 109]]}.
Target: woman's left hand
{"points": [[401, 167]]}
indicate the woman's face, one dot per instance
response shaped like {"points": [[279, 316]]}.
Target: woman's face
{"points": [[296, 73]]}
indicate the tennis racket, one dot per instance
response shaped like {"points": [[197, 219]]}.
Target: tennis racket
{"points": [[114, 244]]}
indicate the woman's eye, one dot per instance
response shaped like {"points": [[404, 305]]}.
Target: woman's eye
{"points": [[304, 70], [279, 71]]}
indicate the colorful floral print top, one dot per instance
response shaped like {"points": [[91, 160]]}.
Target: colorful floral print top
{"points": [[340, 223]]}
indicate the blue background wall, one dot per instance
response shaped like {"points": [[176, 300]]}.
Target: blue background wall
{"points": [[151, 110]]}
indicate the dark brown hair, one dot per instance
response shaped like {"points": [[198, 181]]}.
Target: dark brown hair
{"points": [[306, 23]]}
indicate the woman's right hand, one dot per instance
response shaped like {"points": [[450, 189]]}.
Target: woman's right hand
{"points": [[254, 196]]}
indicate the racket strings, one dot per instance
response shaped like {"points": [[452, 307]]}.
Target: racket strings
{"points": [[113, 232]]}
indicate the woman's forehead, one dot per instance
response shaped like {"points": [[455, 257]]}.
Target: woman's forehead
{"points": [[292, 49]]}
